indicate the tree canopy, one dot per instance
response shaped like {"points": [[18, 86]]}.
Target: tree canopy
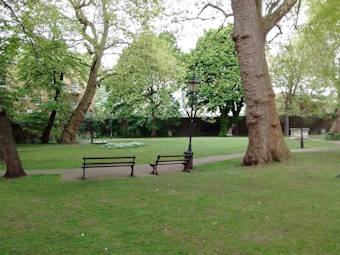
{"points": [[145, 78], [214, 61]]}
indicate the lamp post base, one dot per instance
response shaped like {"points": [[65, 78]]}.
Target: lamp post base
{"points": [[189, 156]]}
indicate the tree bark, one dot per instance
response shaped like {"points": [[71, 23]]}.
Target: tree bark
{"points": [[8, 148], [224, 119], [153, 131], [266, 141], [70, 131]]}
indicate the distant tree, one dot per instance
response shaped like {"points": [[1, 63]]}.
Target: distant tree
{"points": [[45, 77], [214, 61], [146, 75], [321, 40]]}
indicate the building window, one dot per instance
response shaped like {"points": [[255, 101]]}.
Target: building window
{"points": [[3, 81], [74, 86], [74, 104], [36, 100]]}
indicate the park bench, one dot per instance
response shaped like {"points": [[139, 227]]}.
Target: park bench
{"points": [[92, 162], [169, 160]]}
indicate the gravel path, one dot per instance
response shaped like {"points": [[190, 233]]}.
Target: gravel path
{"points": [[144, 170]]}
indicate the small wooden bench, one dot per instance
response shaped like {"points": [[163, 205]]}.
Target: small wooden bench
{"points": [[169, 160], [93, 162]]}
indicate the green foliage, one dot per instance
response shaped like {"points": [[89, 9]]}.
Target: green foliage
{"points": [[145, 77], [91, 123], [332, 136], [301, 91], [214, 61]]}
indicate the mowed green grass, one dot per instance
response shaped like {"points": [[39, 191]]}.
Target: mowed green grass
{"points": [[54, 156], [222, 208]]}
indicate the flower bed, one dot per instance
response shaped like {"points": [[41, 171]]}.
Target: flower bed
{"points": [[123, 145]]}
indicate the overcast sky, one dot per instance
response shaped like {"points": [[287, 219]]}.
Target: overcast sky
{"points": [[189, 31]]}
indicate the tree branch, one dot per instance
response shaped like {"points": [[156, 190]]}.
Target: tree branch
{"points": [[272, 6], [79, 59], [279, 33], [21, 25], [271, 19], [259, 7], [226, 15], [84, 21]]}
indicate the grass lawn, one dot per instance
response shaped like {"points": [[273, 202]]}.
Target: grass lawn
{"points": [[53, 156], [290, 208]]}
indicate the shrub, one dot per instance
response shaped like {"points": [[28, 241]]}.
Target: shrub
{"points": [[332, 136]]}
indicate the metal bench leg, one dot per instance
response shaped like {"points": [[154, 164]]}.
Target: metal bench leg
{"points": [[83, 173], [131, 171], [154, 170], [186, 168]]}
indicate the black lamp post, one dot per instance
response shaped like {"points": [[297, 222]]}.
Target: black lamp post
{"points": [[91, 126], [193, 87], [301, 124]]}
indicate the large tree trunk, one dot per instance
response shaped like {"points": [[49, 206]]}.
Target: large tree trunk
{"points": [[70, 131], [266, 141], [8, 149], [47, 132]]}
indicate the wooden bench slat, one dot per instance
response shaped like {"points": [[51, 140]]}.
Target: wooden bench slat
{"points": [[132, 157], [99, 166], [172, 160], [171, 156], [92, 164], [107, 163]]}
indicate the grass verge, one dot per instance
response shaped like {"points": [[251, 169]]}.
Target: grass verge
{"points": [[54, 156], [280, 208]]}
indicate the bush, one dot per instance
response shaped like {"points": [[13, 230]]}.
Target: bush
{"points": [[332, 136]]}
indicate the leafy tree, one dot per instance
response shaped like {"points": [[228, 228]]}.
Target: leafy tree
{"points": [[45, 77], [103, 25], [321, 35], [214, 60], [145, 77], [8, 49]]}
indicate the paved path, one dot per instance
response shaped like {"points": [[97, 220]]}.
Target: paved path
{"points": [[144, 170]]}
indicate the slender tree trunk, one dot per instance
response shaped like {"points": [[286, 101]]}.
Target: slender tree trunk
{"points": [[70, 131], [224, 121], [47, 132], [8, 148], [336, 124], [153, 131], [286, 125], [265, 135]]}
